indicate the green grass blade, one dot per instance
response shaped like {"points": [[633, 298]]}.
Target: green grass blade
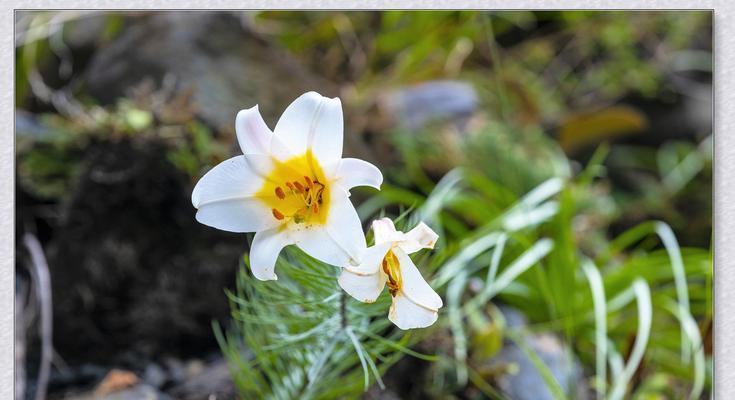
{"points": [[677, 265], [598, 300], [525, 261], [645, 320]]}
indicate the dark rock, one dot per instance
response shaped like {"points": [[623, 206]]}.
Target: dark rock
{"points": [[134, 275], [212, 53]]}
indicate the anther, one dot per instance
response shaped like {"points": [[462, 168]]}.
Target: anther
{"points": [[315, 208], [279, 193], [277, 214], [289, 185], [308, 181], [299, 187]]}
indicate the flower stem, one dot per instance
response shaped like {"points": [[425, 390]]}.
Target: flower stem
{"points": [[343, 308]]}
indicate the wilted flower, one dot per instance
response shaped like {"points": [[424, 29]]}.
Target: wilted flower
{"points": [[415, 303], [291, 186]]}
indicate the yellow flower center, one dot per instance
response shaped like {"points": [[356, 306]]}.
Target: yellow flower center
{"points": [[296, 190], [392, 268]]}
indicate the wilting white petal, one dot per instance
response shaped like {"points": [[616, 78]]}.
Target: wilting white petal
{"points": [[408, 315], [414, 286], [231, 179], [264, 252], [236, 215], [353, 172], [385, 231], [365, 280], [370, 260], [364, 288], [313, 122], [253, 134], [420, 237]]}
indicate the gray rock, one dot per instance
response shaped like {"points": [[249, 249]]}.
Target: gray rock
{"points": [[176, 369], [416, 106], [523, 380], [138, 392], [28, 126], [212, 380], [155, 375]]}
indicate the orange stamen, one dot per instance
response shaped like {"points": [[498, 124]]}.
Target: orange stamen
{"points": [[299, 187], [279, 193], [290, 186], [308, 181], [277, 214]]}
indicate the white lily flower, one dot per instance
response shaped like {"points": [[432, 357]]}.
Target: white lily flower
{"points": [[415, 303], [290, 186]]}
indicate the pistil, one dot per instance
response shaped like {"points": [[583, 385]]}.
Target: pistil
{"points": [[392, 269]]}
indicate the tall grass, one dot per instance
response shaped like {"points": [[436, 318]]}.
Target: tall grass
{"points": [[298, 335]]}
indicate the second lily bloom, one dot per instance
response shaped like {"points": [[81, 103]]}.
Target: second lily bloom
{"points": [[415, 303]]}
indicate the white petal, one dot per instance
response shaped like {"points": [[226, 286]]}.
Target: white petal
{"points": [[353, 172], [264, 252], [364, 288], [317, 243], [420, 237], [344, 225], [261, 165], [313, 122], [238, 215], [385, 231], [279, 150], [414, 286], [231, 179], [370, 260], [253, 134], [340, 241], [408, 315]]}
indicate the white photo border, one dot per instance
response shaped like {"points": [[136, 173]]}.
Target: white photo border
{"points": [[724, 141]]}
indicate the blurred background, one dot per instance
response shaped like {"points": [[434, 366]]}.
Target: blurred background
{"points": [[119, 113]]}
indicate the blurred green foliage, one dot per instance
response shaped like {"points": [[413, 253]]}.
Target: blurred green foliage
{"points": [[48, 162], [529, 67]]}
